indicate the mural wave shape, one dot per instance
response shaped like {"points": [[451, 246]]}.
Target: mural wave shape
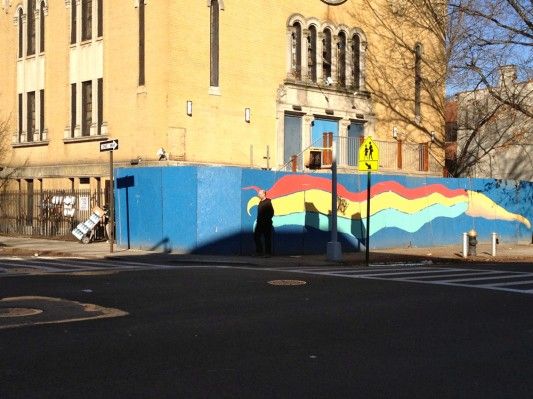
{"points": [[386, 218], [320, 201], [296, 198]]}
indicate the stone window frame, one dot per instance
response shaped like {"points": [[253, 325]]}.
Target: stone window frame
{"points": [[76, 25], [75, 130], [298, 67], [20, 20], [21, 16]]}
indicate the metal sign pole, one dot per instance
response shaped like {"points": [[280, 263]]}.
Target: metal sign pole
{"points": [[111, 203], [367, 254]]}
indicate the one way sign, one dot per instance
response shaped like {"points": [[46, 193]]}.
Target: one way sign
{"points": [[109, 145]]}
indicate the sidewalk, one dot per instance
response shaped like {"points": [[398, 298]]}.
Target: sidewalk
{"points": [[506, 252]]}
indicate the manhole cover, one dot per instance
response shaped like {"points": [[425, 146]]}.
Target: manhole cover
{"points": [[287, 282], [18, 312]]}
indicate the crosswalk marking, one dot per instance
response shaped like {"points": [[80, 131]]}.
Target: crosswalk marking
{"points": [[510, 281], [446, 276]]}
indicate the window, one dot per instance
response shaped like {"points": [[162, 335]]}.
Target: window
{"points": [[342, 59], [296, 50], [418, 77], [141, 44], [101, 17], [30, 116], [326, 54], [21, 115], [73, 23], [72, 109], [311, 54], [41, 114], [21, 32], [86, 108], [31, 28], [86, 20], [214, 43], [356, 61], [41, 27], [340, 56], [100, 116], [29, 202]]}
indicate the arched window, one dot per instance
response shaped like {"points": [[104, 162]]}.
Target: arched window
{"points": [[21, 32], [356, 61], [296, 50], [341, 68], [30, 50], [418, 77], [41, 26], [311, 53], [326, 54], [214, 43]]}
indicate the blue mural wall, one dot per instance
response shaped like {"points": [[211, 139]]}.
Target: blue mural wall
{"points": [[201, 209]]}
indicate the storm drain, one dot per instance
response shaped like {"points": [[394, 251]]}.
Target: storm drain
{"points": [[287, 282]]}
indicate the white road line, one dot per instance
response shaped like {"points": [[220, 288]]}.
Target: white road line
{"points": [[430, 273], [420, 271], [476, 273], [503, 276], [509, 283]]}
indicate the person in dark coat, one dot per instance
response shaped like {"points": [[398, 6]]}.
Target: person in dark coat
{"points": [[263, 226]]}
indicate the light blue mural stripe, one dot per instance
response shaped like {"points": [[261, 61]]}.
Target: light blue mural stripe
{"points": [[386, 218]]}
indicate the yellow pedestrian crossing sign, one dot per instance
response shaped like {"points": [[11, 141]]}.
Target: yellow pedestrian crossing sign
{"points": [[368, 155]]}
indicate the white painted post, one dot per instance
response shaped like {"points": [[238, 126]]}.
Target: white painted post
{"points": [[465, 245], [494, 238], [334, 250]]}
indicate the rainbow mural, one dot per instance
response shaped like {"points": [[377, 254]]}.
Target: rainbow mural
{"points": [[295, 197]]}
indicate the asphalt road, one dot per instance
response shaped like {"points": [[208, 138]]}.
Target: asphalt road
{"points": [[225, 332]]}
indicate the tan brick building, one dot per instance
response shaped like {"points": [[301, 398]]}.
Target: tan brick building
{"points": [[208, 81]]}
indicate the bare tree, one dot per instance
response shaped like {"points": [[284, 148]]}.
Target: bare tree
{"points": [[490, 64], [468, 47], [6, 169]]}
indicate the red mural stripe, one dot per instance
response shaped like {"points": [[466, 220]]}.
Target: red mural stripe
{"points": [[294, 183]]}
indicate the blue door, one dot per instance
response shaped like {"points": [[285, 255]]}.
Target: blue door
{"points": [[292, 138], [356, 130]]}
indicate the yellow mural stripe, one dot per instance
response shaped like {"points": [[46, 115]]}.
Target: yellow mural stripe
{"points": [[479, 205], [320, 201]]}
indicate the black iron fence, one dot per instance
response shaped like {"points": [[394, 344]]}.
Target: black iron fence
{"points": [[50, 213]]}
